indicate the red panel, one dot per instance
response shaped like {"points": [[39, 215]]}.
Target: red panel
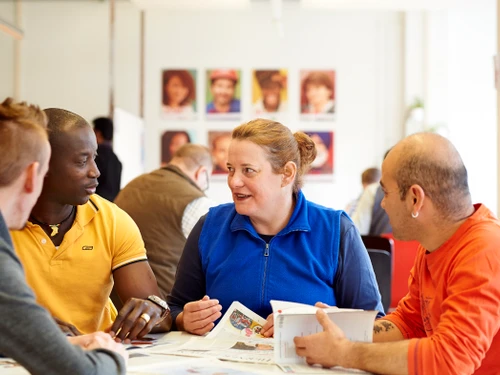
{"points": [[403, 257]]}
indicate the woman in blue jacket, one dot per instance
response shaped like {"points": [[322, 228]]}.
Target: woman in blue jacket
{"points": [[271, 243]]}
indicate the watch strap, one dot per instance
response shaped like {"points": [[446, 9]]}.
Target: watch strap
{"points": [[160, 302]]}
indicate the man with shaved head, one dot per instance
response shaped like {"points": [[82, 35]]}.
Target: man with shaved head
{"points": [[76, 245], [449, 322]]}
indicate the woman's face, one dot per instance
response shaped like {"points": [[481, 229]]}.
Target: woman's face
{"points": [[255, 188], [176, 91], [178, 140], [317, 95]]}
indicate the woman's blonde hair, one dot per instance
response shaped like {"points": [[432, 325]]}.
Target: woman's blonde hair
{"points": [[280, 145]]}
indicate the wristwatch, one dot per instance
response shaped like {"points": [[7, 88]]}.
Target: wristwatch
{"points": [[163, 304]]}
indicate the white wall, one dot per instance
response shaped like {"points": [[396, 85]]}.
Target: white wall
{"points": [[472, 96], [6, 66], [449, 64], [66, 56], [7, 13]]}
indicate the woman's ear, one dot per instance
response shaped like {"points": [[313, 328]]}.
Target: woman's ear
{"points": [[289, 173]]}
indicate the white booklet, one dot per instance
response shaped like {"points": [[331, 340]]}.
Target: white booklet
{"points": [[296, 319]]}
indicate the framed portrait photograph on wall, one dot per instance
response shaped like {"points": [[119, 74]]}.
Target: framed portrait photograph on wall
{"points": [[269, 93], [223, 96], [171, 141], [317, 95], [179, 94], [218, 143], [323, 163]]}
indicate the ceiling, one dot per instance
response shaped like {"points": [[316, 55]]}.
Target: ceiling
{"points": [[397, 5]]}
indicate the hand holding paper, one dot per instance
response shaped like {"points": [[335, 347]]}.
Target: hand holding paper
{"points": [[324, 348], [268, 328], [198, 317], [239, 320], [296, 319]]}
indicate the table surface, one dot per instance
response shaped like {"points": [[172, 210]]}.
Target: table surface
{"points": [[150, 360]]}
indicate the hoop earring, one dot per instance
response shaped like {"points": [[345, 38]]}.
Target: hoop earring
{"points": [[414, 215]]}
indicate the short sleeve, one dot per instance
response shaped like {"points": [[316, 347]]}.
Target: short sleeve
{"points": [[128, 246]]}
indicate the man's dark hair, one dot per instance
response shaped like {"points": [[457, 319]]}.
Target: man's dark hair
{"points": [[105, 126], [370, 176], [60, 121], [444, 182]]}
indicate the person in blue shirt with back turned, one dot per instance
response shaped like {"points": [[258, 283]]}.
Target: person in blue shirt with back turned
{"points": [[271, 243]]}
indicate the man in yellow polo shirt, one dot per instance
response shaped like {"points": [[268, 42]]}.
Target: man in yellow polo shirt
{"points": [[76, 244]]}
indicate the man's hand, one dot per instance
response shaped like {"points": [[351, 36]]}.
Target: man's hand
{"points": [[198, 317], [131, 323], [99, 340], [268, 328], [67, 328], [325, 348]]}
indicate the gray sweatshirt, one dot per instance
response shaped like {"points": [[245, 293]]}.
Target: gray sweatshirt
{"points": [[28, 333]]}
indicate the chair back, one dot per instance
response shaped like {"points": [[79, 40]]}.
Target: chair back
{"points": [[403, 258], [380, 251]]}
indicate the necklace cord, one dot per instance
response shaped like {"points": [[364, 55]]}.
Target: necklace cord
{"points": [[54, 227]]}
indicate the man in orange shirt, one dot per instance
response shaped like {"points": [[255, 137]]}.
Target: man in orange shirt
{"points": [[449, 321]]}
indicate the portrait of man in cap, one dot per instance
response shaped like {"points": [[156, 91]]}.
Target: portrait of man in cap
{"points": [[223, 93]]}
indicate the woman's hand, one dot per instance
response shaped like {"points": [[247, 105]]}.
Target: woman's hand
{"points": [[268, 329], [198, 317]]}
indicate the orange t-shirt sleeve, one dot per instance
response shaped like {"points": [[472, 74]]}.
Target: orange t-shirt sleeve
{"points": [[470, 314], [407, 316]]}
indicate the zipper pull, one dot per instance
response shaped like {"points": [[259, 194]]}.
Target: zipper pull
{"points": [[266, 251]]}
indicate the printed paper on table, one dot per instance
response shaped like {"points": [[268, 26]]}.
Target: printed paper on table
{"points": [[238, 320]]}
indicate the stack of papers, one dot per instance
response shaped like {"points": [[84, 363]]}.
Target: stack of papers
{"points": [[237, 336]]}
